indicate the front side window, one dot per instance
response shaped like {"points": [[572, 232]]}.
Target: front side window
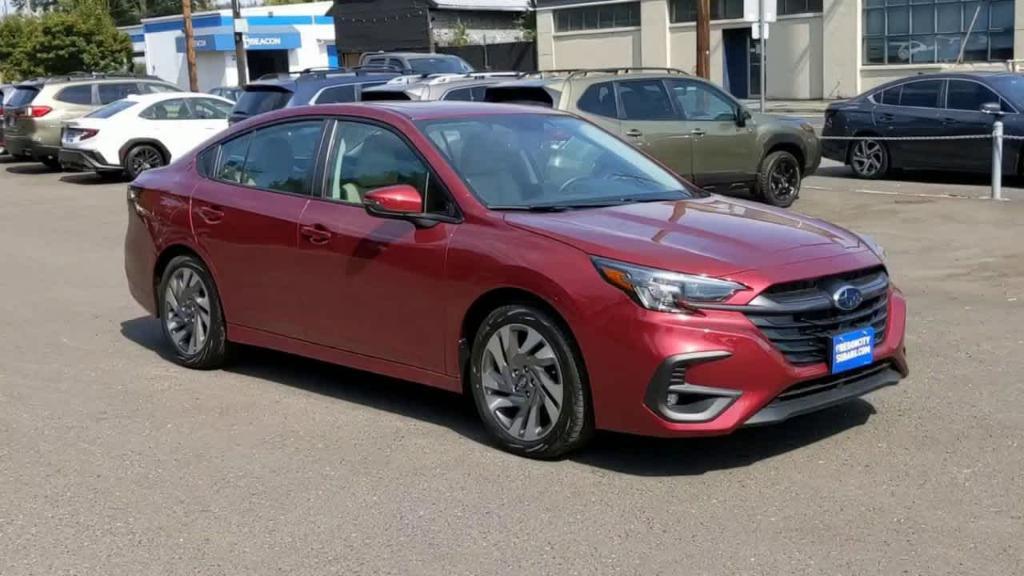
{"points": [[645, 100], [923, 94], [175, 109], [621, 15], [966, 95], [366, 157], [698, 102], [81, 94], [535, 161], [112, 92], [925, 31], [599, 99]]}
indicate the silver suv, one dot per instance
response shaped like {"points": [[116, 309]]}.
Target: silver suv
{"points": [[467, 87]]}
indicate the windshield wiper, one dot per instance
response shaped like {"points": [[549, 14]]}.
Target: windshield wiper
{"points": [[535, 207]]}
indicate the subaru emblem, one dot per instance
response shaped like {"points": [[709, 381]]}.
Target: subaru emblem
{"points": [[847, 298]]}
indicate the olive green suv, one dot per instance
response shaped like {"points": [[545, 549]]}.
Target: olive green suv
{"points": [[689, 124], [36, 110]]}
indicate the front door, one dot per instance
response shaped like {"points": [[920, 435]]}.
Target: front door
{"points": [[378, 284], [962, 116], [245, 219], [650, 122], [724, 153]]}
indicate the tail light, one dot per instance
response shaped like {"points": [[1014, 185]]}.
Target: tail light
{"points": [[37, 111]]}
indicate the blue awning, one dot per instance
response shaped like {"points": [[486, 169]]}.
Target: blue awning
{"points": [[226, 42]]}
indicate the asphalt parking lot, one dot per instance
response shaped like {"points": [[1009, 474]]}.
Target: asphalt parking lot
{"points": [[113, 460]]}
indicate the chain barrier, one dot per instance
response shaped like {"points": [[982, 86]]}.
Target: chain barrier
{"points": [[997, 136]]}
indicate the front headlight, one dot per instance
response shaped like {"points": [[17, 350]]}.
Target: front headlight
{"points": [[873, 246], [665, 291]]}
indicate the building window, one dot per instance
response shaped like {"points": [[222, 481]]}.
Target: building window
{"points": [[622, 15], [927, 31], [686, 10]]}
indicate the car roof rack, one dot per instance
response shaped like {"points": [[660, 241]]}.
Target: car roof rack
{"points": [[444, 78]]}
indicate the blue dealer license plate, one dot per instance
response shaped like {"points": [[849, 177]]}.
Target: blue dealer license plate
{"points": [[852, 349]]}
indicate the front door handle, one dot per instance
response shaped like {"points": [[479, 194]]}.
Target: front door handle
{"points": [[316, 234], [949, 121], [886, 118], [698, 132], [635, 133], [210, 214]]}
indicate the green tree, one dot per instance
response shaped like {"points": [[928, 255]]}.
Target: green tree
{"points": [[80, 36]]}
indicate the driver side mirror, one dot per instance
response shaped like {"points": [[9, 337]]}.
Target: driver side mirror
{"points": [[398, 201], [742, 115], [992, 108]]}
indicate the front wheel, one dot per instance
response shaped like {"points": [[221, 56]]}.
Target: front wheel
{"points": [[191, 315], [141, 158], [779, 181], [869, 159], [528, 383]]}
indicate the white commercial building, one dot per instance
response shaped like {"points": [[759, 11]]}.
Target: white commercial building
{"points": [[816, 49], [279, 39]]}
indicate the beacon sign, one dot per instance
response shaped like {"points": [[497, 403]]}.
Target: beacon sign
{"points": [[226, 42]]}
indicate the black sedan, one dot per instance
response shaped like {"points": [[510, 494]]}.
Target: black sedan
{"points": [[929, 105]]}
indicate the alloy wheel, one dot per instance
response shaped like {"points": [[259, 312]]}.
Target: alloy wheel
{"points": [[187, 314], [145, 158], [867, 157], [522, 382], [784, 180]]}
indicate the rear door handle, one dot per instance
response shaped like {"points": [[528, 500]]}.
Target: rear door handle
{"points": [[211, 215], [634, 133], [886, 117], [316, 234], [698, 132]]}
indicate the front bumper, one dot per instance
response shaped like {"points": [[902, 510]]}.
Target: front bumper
{"points": [[734, 376], [85, 160]]}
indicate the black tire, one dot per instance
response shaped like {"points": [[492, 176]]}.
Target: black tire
{"points": [[214, 351], [779, 181], [142, 157], [858, 159], [51, 163], [575, 423]]}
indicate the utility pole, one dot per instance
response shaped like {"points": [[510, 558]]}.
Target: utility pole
{"points": [[704, 39], [190, 45], [763, 27], [240, 27]]}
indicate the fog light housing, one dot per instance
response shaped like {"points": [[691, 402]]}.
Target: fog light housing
{"points": [[673, 398]]}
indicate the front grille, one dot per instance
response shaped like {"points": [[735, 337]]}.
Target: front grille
{"points": [[800, 319]]}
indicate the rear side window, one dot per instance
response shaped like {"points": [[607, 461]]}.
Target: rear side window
{"points": [[112, 92], [81, 94], [22, 96], [923, 94], [599, 99], [337, 94], [890, 97], [255, 101], [282, 157], [232, 159], [964, 95], [175, 109], [473, 94], [645, 100]]}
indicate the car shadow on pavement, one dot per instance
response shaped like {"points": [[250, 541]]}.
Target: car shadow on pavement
{"points": [[31, 169], [622, 453], [88, 179]]}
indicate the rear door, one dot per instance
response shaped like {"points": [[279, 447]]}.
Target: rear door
{"points": [[917, 115], [599, 104], [245, 218], [649, 121], [723, 152], [962, 116]]}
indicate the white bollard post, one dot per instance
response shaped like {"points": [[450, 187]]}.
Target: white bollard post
{"points": [[997, 158]]}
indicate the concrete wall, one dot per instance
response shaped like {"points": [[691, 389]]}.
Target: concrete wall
{"points": [[654, 37], [597, 49], [481, 27], [841, 53], [795, 59]]}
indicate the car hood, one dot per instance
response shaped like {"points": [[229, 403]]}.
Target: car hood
{"points": [[713, 236]]}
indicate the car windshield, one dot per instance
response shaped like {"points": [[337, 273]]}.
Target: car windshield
{"points": [[439, 65], [549, 162], [111, 109], [257, 100], [22, 96], [1012, 88]]}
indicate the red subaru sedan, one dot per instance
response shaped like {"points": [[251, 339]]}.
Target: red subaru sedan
{"points": [[524, 256]]}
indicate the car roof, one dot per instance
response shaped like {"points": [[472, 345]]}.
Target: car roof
{"points": [[162, 96], [412, 55]]}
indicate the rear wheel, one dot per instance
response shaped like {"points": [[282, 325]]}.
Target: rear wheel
{"points": [[141, 158], [528, 385], [779, 181], [869, 159], [190, 314]]}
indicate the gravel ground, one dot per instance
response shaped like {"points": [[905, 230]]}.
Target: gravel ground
{"points": [[115, 461]]}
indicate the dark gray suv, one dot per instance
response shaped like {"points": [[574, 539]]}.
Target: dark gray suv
{"points": [[311, 86]]}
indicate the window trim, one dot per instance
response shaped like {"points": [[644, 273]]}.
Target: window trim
{"points": [[323, 178], [219, 145]]}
